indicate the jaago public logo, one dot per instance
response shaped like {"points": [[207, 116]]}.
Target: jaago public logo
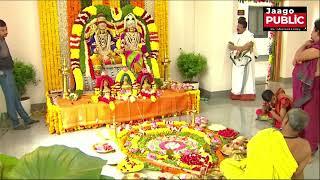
{"points": [[285, 18]]}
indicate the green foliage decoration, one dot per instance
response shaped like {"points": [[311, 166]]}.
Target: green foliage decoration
{"points": [[191, 65], [24, 74]]}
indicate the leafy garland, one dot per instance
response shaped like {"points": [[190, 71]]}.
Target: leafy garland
{"points": [[85, 3]]}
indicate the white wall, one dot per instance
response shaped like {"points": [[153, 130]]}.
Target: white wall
{"points": [[24, 40], [204, 27], [181, 32], [214, 27], [262, 44], [293, 40]]}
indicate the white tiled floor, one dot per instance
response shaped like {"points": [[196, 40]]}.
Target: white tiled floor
{"points": [[234, 114]]}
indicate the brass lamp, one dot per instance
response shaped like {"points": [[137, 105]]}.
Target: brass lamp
{"points": [[65, 72]]}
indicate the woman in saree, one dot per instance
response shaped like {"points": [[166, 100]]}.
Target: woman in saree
{"points": [[306, 84]]}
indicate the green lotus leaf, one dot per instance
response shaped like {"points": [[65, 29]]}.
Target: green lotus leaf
{"points": [[6, 164], [57, 162]]}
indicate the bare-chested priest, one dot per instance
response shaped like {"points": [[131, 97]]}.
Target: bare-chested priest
{"points": [[274, 154]]}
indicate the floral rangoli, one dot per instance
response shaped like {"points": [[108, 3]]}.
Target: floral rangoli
{"points": [[175, 147]]}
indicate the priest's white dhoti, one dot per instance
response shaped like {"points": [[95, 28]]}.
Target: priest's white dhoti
{"points": [[243, 78]]}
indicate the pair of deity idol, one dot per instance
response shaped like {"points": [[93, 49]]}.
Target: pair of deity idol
{"points": [[126, 90], [102, 45]]}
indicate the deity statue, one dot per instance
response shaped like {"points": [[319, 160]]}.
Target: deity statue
{"points": [[101, 44], [147, 85], [126, 88], [146, 89], [133, 45], [105, 89]]}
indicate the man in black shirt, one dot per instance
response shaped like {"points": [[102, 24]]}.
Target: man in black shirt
{"points": [[8, 85]]}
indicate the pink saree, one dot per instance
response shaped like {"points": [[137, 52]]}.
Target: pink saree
{"points": [[306, 88]]}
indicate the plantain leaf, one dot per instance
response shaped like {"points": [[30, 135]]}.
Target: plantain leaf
{"points": [[57, 162], [6, 164]]}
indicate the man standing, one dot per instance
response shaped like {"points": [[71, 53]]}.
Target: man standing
{"points": [[242, 55], [8, 85]]}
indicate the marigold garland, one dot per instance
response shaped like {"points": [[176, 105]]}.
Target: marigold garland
{"points": [[116, 13], [75, 41], [106, 2], [78, 77], [161, 19], [155, 68], [138, 11], [50, 43], [138, 3], [122, 72], [114, 3], [97, 2], [85, 3]]}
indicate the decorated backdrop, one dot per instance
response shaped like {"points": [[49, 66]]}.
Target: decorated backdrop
{"points": [[56, 22]]}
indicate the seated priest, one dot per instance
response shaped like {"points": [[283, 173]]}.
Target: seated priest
{"points": [[274, 154]]}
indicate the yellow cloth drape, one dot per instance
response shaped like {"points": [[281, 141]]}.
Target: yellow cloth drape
{"points": [[268, 157], [50, 44], [161, 20]]}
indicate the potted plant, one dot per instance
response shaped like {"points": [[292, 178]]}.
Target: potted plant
{"points": [[190, 66], [24, 74]]}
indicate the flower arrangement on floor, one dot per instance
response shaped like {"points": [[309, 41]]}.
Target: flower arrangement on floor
{"points": [[176, 147]]}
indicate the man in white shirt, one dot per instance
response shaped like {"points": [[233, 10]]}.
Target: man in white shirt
{"points": [[243, 57]]}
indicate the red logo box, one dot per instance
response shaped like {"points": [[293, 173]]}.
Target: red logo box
{"points": [[285, 18]]}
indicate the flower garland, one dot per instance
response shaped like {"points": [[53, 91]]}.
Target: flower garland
{"points": [[50, 43], [138, 3], [75, 40], [97, 2], [53, 117], [116, 13], [85, 3], [106, 2], [161, 19], [114, 3], [122, 73]]}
